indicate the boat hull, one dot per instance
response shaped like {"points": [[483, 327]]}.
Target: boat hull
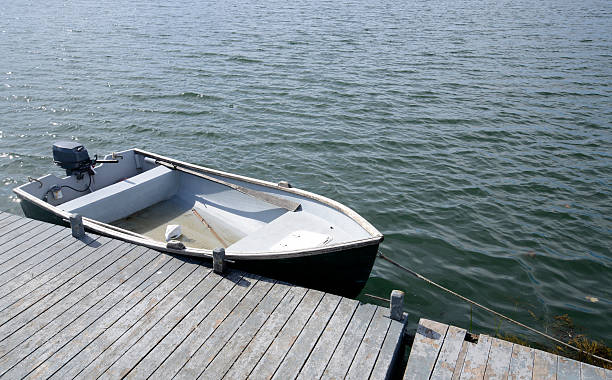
{"points": [[342, 272]]}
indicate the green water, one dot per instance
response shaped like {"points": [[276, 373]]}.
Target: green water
{"points": [[476, 135]]}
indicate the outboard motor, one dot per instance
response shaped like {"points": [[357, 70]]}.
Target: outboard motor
{"points": [[73, 157]]}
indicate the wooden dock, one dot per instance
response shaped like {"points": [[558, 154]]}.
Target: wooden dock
{"points": [[95, 307], [441, 351]]}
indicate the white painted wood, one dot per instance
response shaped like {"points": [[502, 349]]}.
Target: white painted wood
{"points": [[567, 369], [499, 360], [461, 359], [590, 372], [475, 362], [521, 364], [449, 353], [424, 352], [544, 366]]}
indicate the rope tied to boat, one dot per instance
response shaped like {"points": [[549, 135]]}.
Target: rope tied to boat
{"points": [[421, 277]]}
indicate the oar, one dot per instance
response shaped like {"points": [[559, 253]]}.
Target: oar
{"points": [[209, 227], [269, 198]]}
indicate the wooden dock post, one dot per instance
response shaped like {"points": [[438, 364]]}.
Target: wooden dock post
{"points": [[76, 223], [219, 260], [397, 305]]}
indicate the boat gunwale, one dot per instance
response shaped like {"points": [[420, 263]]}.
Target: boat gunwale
{"points": [[126, 235]]}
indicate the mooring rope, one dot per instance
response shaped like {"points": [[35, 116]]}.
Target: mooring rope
{"points": [[421, 277]]}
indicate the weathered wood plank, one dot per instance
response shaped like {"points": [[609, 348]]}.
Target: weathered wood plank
{"points": [[449, 353], [177, 359], [461, 360], [21, 242], [275, 353], [590, 372], [126, 363], [324, 349], [248, 359], [347, 347], [238, 342], [389, 351], [16, 245], [85, 350], [74, 308], [224, 330], [544, 365], [475, 361], [46, 260], [567, 369], [365, 358], [30, 252], [13, 223], [84, 330], [9, 238], [57, 316], [499, 360], [28, 282], [428, 341], [4, 215], [301, 348], [521, 363], [138, 340], [44, 291], [195, 308]]}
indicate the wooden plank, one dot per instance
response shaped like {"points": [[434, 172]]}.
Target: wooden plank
{"points": [[461, 360], [590, 372], [4, 215], [182, 320], [499, 360], [123, 367], [324, 349], [544, 365], [49, 322], [275, 353], [449, 353], [428, 341], [49, 293], [16, 229], [347, 347], [50, 288], [365, 358], [300, 349], [475, 361], [236, 345], [248, 359], [27, 236], [389, 352], [13, 247], [60, 251], [567, 369], [14, 223], [92, 332], [30, 253], [138, 340], [55, 352], [199, 333], [521, 363], [226, 328]]}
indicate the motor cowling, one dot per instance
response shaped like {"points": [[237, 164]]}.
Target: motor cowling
{"points": [[72, 156]]}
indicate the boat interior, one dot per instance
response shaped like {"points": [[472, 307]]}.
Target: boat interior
{"points": [[139, 195]]}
